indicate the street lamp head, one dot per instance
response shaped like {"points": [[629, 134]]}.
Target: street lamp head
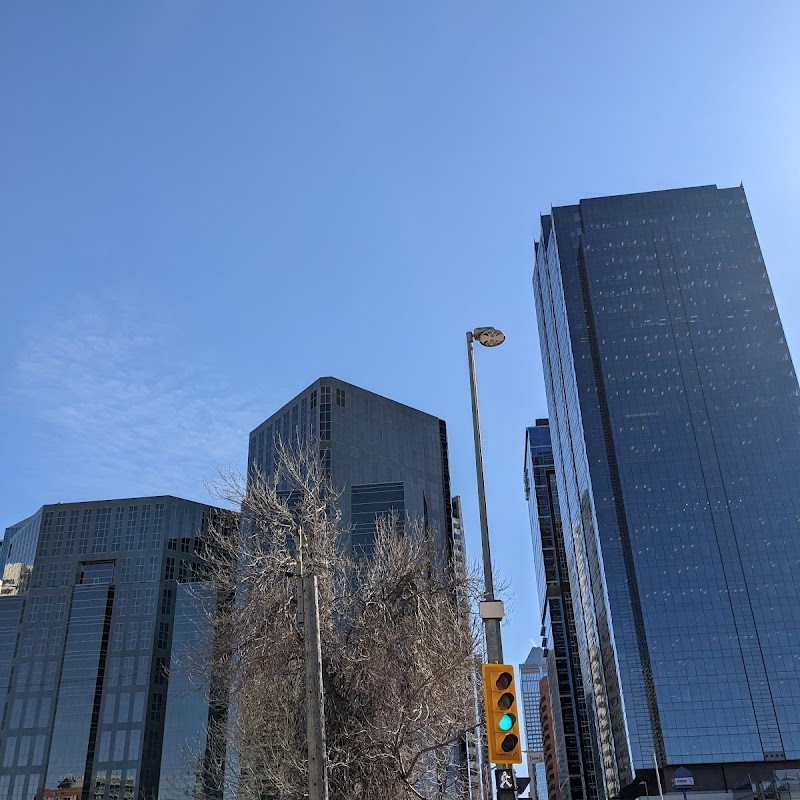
{"points": [[489, 337]]}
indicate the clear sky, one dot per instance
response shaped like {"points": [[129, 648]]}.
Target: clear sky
{"points": [[204, 206]]}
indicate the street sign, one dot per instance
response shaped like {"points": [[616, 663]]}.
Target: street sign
{"points": [[683, 779]]}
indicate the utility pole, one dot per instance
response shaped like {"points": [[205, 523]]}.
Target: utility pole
{"points": [[315, 699]]}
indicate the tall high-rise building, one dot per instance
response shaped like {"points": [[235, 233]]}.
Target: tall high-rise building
{"points": [[674, 411], [95, 607], [384, 456], [572, 746], [530, 675]]}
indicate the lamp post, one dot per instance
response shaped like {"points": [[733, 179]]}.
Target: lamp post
{"points": [[491, 610]]}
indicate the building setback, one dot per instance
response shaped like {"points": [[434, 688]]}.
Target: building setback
{"points": [[95, 606], [573, 750], [674, 412], [384, 456]]}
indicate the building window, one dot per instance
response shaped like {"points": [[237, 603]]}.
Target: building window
{"points": [[160, 674], [60, 518], [101, 526], [44, 539], [116, 537], [72, 531], [325, 460], [83, 544], [166, 601], [149, 601], [158, 522], [130, 530], [325, 413], [163, 635], [156, 707], [143, 526], [340, 397]]}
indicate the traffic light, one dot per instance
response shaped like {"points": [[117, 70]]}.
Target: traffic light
{"points": [[502, 719]]}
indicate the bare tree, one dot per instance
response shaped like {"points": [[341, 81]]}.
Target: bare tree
{"points": [[398, 645]]}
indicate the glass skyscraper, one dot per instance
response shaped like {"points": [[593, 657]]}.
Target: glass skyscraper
{"points": [[384, 456], [95, 606], [675, 420], [572, 746]]}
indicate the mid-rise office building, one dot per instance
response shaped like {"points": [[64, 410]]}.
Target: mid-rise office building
{"points": [[384, 456], [572, 748], [97, 603], [674, 407]]}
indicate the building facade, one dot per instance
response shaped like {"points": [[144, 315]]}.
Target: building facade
{"points": [[87, 640], [530, 675], [673, 412], [572, 746], [384, 456], [548, 741]]}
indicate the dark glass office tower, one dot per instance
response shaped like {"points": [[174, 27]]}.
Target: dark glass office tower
{"points": [[674, 413], [573, 748], [88, 628], [386, 457]]}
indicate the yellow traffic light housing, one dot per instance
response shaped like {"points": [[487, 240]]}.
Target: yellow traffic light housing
{"points": [[502, 717]]}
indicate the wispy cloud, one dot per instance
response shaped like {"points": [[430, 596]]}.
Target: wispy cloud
{"points": [[121, 409]]}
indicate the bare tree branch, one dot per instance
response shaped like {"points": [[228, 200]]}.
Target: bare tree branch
{"points": [[398, 644]]}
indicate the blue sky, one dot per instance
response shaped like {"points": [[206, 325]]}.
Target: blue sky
{"points": [[204, 206]]}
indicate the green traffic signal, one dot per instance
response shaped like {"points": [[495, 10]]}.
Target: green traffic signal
{"points": [[506, 722]]}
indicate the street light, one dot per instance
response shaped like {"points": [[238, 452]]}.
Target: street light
{"points": [[491, 610]]}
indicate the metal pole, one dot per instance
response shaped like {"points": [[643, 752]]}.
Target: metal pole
{"points": [[494, 641], [315, 700], [658, 776]]}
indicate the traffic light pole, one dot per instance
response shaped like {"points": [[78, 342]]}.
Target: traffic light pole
{"points": [[494, 641]]}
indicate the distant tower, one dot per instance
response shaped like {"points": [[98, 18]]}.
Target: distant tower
{"points": [[575, 765], [531, 674]]}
